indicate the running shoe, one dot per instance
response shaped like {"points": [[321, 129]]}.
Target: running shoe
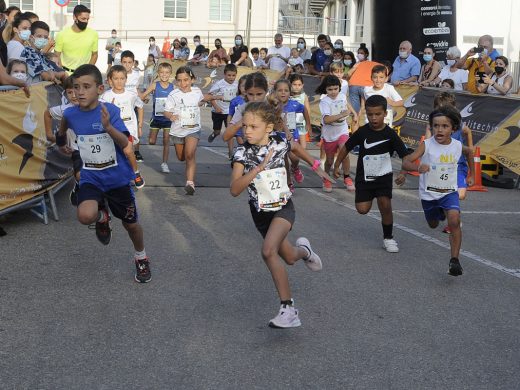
{"points": [[142, 271], [349, 184], [189, 188], [138, 156], [287, 318], [446, 230], [291, 188], [165, 168], [390, 245], [139, 181], [298, 175], [327, 185], [212, 137], [103, 229], [73, 196], [455, 268], [312, 261]]}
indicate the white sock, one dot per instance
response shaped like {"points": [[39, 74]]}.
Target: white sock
{"points": [[140, 255]]}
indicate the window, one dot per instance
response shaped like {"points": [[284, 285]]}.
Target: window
{"points": [[24, 5], [176, 9], [73, 3], [220, 10]]}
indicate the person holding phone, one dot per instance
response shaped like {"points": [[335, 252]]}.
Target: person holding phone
{"points": [[479, 59], [500, 82]]}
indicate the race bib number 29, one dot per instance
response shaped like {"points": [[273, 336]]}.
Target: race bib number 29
{"points": [[97, 151]]}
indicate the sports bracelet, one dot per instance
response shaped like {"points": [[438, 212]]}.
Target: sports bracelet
{"points": [[316, 165], [61, 140]]}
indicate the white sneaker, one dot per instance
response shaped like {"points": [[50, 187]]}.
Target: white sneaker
{"points": [[165, 168], [313, 261], [390, 245], [287, 318]]}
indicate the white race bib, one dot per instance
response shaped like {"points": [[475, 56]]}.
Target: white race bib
{"points": [[300, 119], [97, 151], [126, 110], [376, 165], [272, 189], [335, 109], [190, 117], [229, 94], [442, 178], [160, 103], [290, 120], [389, 118]]}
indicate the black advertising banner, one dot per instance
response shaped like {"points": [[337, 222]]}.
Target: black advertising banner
{"points": [[422, 22], [484, 114]]}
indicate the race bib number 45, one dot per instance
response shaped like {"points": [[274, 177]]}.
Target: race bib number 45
{"points": [[97, 151], [442, 178], [272, 189]]}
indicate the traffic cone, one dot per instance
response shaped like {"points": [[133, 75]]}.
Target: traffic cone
{"points": [[166, 47], [477, 186], [416, 162]]}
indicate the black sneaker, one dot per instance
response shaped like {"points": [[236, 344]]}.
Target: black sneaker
{"points": [[139, 181], [142, 271], [455, 268], [138, 156], [103, 229], [73, 196], [212, 137]]}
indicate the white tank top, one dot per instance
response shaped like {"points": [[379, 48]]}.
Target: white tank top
{"points": [[500, 81], [442, 160]]}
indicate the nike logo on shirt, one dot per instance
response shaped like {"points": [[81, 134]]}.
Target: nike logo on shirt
{"points": [[368, 146]]}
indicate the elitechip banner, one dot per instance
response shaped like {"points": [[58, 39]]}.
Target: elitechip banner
{"points": [[28, 166]]}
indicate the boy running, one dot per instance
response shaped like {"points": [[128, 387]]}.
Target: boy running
{"points": [[102, 140], [377, 142]]}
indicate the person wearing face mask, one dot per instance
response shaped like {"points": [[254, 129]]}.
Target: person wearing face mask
{"points": [[153, 49], [199, 50], [338, 44], [78, 44], [407, 67], [39, 67], [320, 57], [110, 46], [239, 54], [349, 60], [452, 72], [483, 63], [360, 76], [500, 82], [301, 45], [431, 68], [20, 33], [219, 52], [184, 50]]}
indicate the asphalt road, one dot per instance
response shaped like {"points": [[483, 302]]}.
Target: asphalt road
{"points": [[71, 316]]}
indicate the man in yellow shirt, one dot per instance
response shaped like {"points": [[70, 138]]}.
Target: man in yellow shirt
{"points": [[77, 45], [483, 64]]}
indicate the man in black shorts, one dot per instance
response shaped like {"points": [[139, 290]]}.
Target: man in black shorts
{"points": [[377, 142]]}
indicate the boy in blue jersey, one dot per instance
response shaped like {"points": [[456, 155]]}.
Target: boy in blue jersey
{"points": [[102, 140]]}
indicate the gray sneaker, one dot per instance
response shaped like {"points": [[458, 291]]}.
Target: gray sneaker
{"points": [[312, 261]]}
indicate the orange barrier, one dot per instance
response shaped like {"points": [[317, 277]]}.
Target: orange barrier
{"points": [[477, 186], [166, 48], [416, 162]]}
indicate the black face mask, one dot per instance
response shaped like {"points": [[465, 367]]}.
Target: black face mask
{"points": [[81, 25], [218, 46], [499, 69], [183, 43]]}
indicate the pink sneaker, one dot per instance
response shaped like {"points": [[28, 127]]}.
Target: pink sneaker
{"points": [[327, 186], [349, 184], [298, 175]]}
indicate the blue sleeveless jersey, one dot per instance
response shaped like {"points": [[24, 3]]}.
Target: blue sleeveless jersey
{"points": [[161, 93]]}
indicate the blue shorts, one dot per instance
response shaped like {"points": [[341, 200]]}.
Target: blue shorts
{"points": [[462, 174], [121, 200], [295, 134], [239, 133], [434, 209]]}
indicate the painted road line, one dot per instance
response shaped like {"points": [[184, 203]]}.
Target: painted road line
{"points": [[425, 237], [489, 212]]}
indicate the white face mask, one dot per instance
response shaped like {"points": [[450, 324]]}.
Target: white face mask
{"points": [[114, 35], [337, 60], [196, 43], [24, 34], [450, 62], [360, 57], [20, 76], [403, 54], [328, 52]]}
